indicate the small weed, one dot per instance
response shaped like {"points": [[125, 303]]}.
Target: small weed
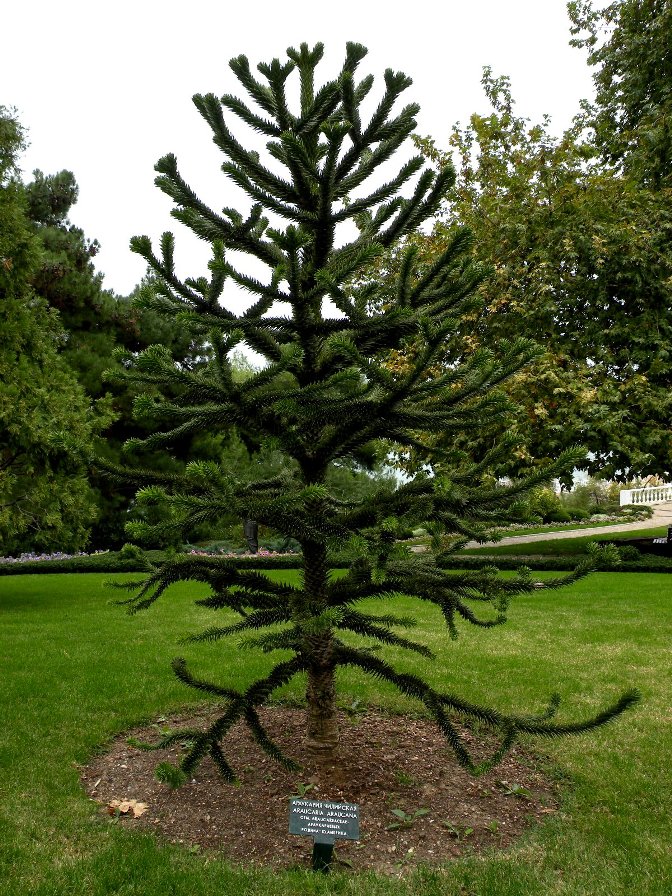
{"points": [[340, 861], [404, 779], [405, 859], [458, 831], [515, 790], [357, 707], [163, 730], [301, 791], [406, 819], [139, 744], [361, 843]]}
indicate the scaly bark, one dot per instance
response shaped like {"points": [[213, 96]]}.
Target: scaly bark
{"points": [[322, 725]]}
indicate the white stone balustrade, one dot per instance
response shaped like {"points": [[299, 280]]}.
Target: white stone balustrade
{"points": [[652, 494]]}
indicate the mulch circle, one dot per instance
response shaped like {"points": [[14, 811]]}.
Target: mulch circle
{"points": [[387, 762]]}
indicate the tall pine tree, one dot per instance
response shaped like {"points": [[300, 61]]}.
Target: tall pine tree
{"points": [[47, 424], [325, 396]]}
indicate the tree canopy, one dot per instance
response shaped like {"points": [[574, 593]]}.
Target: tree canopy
{"points": [[579, 231], [95, 323], [628, 42], [47, 424]]}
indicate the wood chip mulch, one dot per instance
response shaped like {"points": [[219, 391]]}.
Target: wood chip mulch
{"points": [[387, 762]]}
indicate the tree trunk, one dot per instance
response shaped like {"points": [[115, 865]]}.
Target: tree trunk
{"points": [[322, 733], [322, 726]]}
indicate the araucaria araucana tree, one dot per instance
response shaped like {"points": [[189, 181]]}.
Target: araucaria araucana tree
{"points": [[326, 396]]}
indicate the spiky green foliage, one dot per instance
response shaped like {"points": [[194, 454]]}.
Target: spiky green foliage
{"points": [[328, 395]]}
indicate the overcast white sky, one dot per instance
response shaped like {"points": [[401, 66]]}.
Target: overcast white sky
{"points": [[105, 89]]}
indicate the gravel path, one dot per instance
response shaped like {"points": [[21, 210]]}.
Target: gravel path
{"points": [[662, 516]]}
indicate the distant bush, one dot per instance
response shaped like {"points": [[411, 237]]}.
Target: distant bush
{"points": [[281, 544], [223, 546], [629, 552], [113, 562], [640, 511], [596, 510], [593, 496], [131, 552], [541, 504]]}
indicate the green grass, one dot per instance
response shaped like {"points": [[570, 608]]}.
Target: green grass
{"points": [[564, 527], [75, 670], [562, 546]]}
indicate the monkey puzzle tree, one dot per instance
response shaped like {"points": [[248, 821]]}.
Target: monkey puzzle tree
{"points": [[326, 396]]}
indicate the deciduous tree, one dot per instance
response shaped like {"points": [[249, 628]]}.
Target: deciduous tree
{"points": [[583, 265], [629, 44]]}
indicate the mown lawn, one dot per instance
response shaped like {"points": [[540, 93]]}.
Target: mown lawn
{"points": [[555, 547], [75, 670], [607, 525]]}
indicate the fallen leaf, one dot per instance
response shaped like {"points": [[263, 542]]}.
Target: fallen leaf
{"points": [[127, 807]]}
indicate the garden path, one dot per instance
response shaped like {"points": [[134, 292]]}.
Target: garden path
{"points": [[662, 516]]}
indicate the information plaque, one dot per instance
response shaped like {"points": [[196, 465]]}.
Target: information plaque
{"points": [[325, 822]]}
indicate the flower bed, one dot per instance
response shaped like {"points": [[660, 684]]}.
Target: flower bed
{"points": [[31, 557]]}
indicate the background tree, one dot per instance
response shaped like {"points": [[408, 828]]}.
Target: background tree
{"points": [[130, 329], [47, 425], [96, 322], [583, 264], [327, 397], [629, 43]]}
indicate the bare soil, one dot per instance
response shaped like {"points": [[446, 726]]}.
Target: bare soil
{"points": [[387, 762]]}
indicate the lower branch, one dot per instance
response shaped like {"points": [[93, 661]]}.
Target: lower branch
{"points": [[241, 705], [510, 726]]}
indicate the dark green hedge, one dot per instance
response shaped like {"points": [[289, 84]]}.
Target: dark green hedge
{"points": [[552, 564], [113, 562]]}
